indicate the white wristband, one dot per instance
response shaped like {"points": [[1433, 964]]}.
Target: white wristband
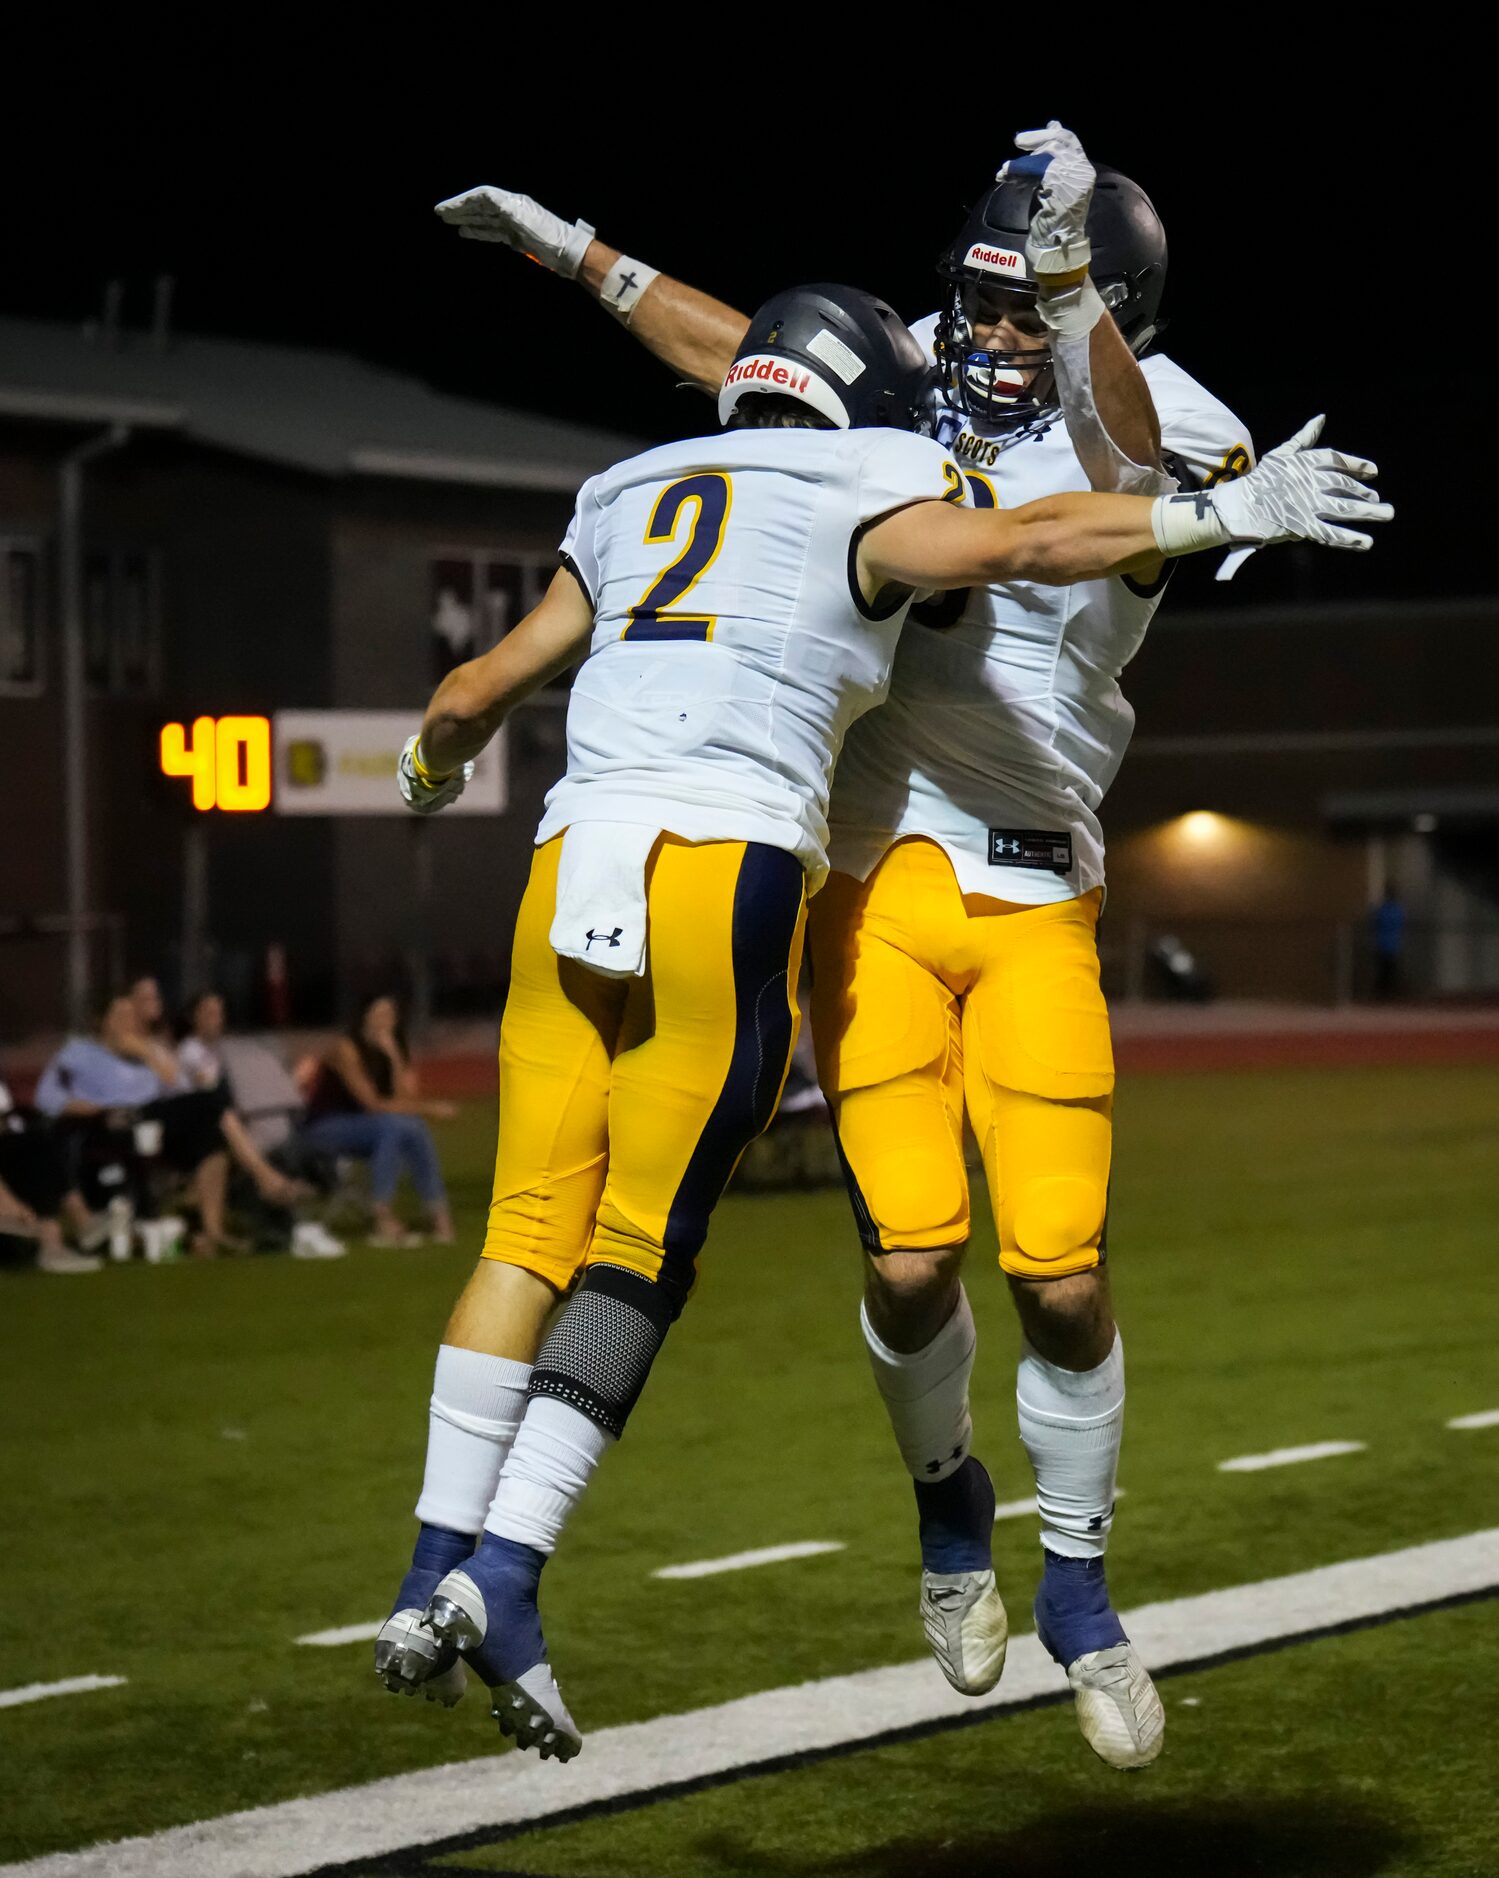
{"points": [[1070, 312], [1185, 523], [623, 285]]}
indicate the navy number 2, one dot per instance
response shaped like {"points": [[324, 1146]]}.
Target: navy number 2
{"points": [[711, 495]]}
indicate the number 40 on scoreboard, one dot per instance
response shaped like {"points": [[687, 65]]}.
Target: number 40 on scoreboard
{"points": [[227, 758]]}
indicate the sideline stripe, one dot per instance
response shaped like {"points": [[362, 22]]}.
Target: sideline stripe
{"points": [[1288, 1457], [1486, 1418], [742, 1561], [643, 1761], [72, 1685], [344, 1633]]}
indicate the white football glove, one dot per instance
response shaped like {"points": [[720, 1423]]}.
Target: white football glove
{"points": [[1058, 239], [490, 214], [1294, 493], [421, 790]]}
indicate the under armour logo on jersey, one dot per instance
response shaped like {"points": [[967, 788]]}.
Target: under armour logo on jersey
{"points": [[611, 938], [1007, 844]]}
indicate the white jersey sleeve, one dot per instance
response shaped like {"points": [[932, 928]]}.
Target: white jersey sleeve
{"points": [[579, 550], [899, 469], [1197, 429]]}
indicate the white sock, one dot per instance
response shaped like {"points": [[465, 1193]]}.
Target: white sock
{"points": [[1071, 1422], [926, 1393], [549, 1465], [477, 1405]]}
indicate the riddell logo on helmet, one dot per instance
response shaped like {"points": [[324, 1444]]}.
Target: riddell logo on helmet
{"points": [[768, 372], [1006, 260]]}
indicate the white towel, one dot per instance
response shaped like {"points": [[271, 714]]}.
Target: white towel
{"points": [[601, 913]]}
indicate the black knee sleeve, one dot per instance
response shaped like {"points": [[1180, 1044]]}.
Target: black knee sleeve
{"points": [[599, 1352]]}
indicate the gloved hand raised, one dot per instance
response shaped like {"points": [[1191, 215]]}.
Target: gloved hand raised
{"points": [[490, 214]]}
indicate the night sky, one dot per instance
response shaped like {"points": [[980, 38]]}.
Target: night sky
{"points": [[291, 197]]}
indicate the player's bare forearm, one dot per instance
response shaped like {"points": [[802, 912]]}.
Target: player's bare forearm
{"points": [[1123, 396], [1054, 541], [474, 699], [692, 334]]}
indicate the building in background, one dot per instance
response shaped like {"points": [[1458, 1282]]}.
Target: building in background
{"points": [[267, 530], [263, 529], [1289, 768]]}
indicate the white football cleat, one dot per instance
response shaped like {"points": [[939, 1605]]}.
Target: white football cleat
{"points": [[1118, 1709], [410, 1660], [965, 1624]]}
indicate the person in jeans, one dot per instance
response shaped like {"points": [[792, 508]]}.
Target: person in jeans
{"points": [[366, 1104]]}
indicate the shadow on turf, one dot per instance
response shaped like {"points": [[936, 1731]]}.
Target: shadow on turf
{"points": [[1276, 1839]]}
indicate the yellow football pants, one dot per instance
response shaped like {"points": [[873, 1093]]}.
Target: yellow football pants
{"points": [[625, 1104], [924, 997]]}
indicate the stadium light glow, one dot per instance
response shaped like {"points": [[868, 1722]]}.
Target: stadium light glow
{"points": [[1203, 828]]}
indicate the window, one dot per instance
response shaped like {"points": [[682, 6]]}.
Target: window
{"points": [[20, 616], [121, 621], [477, 598]]}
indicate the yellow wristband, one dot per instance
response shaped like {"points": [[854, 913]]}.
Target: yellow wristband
{"points": [[429, 778]]}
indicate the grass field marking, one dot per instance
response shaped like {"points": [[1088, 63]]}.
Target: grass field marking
{"points": [[640, 1762], [742, 1561], [343, 1633], [70, 1685], [1485, 1418], [1288, 1457]]}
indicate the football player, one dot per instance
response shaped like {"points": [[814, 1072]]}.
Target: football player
{"points": [[736, 601], [954, 946]]}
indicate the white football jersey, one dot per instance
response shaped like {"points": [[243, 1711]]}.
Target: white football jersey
{"points": [[1005, 722], [731, 650]]}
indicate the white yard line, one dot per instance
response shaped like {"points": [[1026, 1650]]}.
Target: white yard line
{"points": [[1288, 1457], [742, 1561], [385, 1816], [344, 1633], [71, 1685], [1485, 1418]]}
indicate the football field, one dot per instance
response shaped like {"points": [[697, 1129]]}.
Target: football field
{"points": [[208, 1465]]}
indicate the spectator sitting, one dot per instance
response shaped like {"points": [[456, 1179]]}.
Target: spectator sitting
{"points": [[206, 1060], [198, 1058], [150, 1009], [35, 1195], [365, 1103], [99, 1089]]}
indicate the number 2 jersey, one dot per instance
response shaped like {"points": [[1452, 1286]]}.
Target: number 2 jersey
{"points": [[1005, 722], [731, 648]]}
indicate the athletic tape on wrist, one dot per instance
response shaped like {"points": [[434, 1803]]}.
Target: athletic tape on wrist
{"points": [[1073, 312], [430, 778], [623, 285], [1183, 524]]}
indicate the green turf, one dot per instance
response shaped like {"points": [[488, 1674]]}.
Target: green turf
{"points": [[203, 1461], [1296, 1763]]}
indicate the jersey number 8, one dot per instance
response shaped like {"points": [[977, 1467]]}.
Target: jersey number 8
{"points": [[712, 495]]}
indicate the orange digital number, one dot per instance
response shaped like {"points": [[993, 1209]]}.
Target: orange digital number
{"points": [[229, 761], [244, 763]]}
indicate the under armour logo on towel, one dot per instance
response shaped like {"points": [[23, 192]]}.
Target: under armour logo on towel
{"points": [[612, 938]]}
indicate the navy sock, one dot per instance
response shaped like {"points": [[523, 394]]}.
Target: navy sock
{"points": [[436, 1552], [509, 1575], [1073, 1613], [957, 1520]]}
